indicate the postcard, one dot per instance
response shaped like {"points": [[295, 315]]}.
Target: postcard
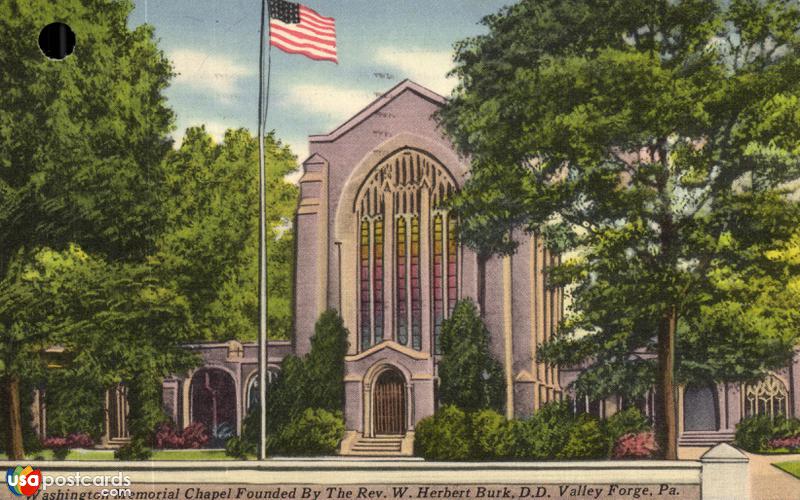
{"points": [[345, 250]]}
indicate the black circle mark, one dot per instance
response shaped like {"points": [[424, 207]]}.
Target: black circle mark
{"points": [[57, 40]]}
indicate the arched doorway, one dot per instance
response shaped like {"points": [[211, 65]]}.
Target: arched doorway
{"points": [[214, 403], [389, 403], [700, 410]]}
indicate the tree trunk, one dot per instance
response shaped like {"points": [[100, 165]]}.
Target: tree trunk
{"points": [[14, 447], [666, 420]]}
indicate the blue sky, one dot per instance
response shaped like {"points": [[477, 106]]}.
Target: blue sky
{"points": [[214, 47]]}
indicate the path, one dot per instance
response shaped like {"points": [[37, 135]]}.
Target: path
{"points": [[766, 481]]}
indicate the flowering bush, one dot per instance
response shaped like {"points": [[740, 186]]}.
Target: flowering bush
{"points": [[76, 440], [80, 440], [195, 435], [791, 443], [641, 445], [167, 437], [55, 442]]}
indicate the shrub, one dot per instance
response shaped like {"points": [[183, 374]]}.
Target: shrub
{"points": [[545, 434], [791, 443], [195, 435], [628, 421], [491, 435], [586, 440], [59, 446], [443, 436], [240, 448], [167, 437], [549, 430], [137, 449], [753, 433], [470, 377], [639, 445], [786, 427], [80, 440], [316, 432], [315, 381]]}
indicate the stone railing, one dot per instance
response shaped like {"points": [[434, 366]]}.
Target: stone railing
{"points": [[722, 473]]}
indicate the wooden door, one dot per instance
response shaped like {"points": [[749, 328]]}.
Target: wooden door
{"points": [[390, 404]]}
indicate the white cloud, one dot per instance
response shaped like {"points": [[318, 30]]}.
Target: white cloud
{"points": [[425, 67], [215, 129], [208, 72], [330, 104]]}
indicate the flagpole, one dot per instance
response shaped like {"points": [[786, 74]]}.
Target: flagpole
{"points": [[263, 105]]}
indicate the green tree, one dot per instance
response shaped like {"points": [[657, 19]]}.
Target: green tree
{"points": [[315, 381], [210, 247], [82, 141], [651, 143], [471, 378]]}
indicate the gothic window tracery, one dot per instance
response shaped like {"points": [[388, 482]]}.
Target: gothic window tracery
{"points": [[767, 397], [404, 231]]}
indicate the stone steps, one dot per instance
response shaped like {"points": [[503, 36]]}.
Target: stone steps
{"points": [[705, 438], [378, 446]]}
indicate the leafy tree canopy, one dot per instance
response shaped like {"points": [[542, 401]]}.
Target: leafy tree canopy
{"points": [[653, 144], [210, 247]]}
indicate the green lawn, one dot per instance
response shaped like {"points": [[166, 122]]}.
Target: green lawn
{"points": [[792, 468], [109, 455]]}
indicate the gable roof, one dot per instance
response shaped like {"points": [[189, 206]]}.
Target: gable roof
{"points": [[377, 105]]}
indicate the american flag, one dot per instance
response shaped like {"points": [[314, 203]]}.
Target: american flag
{"points": [[296, 29]]}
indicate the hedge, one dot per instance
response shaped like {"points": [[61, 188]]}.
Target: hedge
{"points": [[551, 433]]}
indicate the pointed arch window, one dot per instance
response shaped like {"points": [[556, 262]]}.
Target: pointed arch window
{"points": [[407, 251], [767, 397]]}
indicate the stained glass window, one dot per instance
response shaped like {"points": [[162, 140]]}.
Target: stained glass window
{"points": [[366, 324], [377, 281], [401, 185], [438, 279], [452, 264], [402, 304], [416, 295]]}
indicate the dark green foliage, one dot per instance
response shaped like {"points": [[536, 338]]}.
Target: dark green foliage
{"points": [[73, 405], [315, 432], [551, 433], [586, 440], [145, 403], [315, 381], [491, 435], [443, 436], [628, 421], [82, 186], [324, 364], [652, 141], [470, 377], [137, 449], [753, 433], [240, 448], [543, 435]]}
